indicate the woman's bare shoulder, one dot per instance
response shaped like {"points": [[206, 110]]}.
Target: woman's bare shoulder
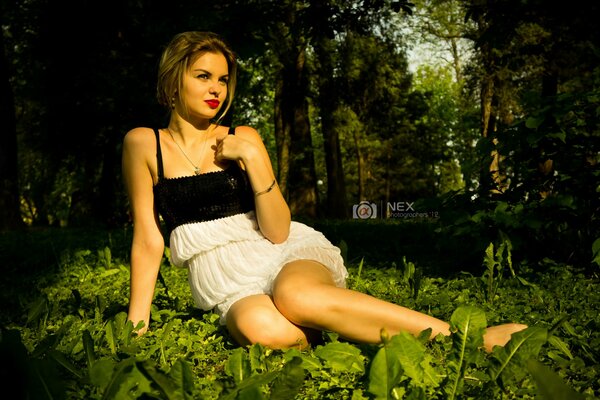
{"points": [[248, 133], [139, 136]]}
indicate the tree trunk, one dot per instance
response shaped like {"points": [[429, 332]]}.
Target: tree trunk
{"points": [[296, 167], [10, 215], [487, 93], [497, 184], [282, 139], [492, 180], [337, 206], [302, 183], [360, 168]]}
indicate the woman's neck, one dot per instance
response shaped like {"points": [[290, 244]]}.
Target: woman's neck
{"points": [[190, 130]]}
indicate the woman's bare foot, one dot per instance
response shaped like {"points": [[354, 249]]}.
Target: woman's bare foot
{"points": [[499, 335]]}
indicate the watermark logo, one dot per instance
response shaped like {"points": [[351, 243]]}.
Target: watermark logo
{"points": [[406, 210], [392, 209], [400, 206], [364, 210]]}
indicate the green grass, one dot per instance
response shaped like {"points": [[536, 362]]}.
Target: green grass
{"points": [[65, 291]]}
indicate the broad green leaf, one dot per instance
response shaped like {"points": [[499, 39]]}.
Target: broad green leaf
{"points": [[596, 251], [508, 362], [38, 310], [123, 327], [182, 375], [107, 257], [425, 335], [310, 363], [168, 387], [256, 355], [238, 365], [569, 329], [61, 359], [108, 273], [101, 372], [560, 345], [291, 353], [111, 335], [401, 355], [168, 328], [250, 393], [534, 122], [88, 346], [45, 345], [341, 357], [413, 359], [384, 374], [596, 247], [561, 135], [250, 387], [409, 270], [524, 282], [467, 325], [289, 381], [127, 382], [550, 385]]}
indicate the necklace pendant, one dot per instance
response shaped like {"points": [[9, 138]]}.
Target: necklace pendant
{"points": [[196, 170]]}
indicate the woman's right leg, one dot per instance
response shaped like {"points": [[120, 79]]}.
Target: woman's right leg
{"points": [[255, 319]]}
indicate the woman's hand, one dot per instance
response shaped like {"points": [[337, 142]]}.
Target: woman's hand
{"points": [[233, 147]]}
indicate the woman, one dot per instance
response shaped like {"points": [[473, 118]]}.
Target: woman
{"points": [[272, 281]]}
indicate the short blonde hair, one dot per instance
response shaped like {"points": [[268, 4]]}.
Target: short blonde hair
{"points": [[179, 55]]}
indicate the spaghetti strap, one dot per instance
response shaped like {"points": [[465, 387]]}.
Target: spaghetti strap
{"points": [[232, 130], [159, 156]]}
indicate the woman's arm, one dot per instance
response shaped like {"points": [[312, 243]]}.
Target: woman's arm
{"points": [[272, 211], [147, 245]]}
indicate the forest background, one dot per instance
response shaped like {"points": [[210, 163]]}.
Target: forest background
{"points": [[496, 132], [471, 126]]}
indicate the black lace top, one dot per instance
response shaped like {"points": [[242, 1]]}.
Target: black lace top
{"points": [[203, 197]]}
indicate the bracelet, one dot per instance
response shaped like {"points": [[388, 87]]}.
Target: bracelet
{"points": [[267, 190]]}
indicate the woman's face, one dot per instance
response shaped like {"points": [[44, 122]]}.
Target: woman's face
{"points": [[205, 86]]}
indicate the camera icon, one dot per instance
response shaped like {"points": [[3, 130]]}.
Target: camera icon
{"points": [[364, 210]]}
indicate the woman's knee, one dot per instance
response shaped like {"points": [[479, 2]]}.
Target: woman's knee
{"points": [[264, 325], [299, 296], [292, 302]]}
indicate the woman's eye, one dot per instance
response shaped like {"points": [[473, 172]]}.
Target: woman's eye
{"points": [[203, 76], [224, 81]]}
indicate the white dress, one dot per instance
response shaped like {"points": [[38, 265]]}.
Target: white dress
{"points": [[229, 258], [214, 233]]}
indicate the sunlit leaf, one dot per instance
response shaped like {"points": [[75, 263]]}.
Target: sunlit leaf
{"points": [[550, 385], [508, 362], [341, 356]]}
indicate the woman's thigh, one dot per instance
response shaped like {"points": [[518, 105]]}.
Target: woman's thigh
{"points": [[255, 319], [302, 289]]}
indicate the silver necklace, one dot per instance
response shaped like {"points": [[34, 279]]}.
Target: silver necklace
{"points": [[196, 168]]}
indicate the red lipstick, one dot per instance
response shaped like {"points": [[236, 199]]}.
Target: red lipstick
{"points": [[212, 103]]}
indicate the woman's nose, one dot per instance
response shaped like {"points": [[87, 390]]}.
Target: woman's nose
{"points": [[214, 89]]}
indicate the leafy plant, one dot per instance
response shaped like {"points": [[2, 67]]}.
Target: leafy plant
{"points": [[495, 263], [467, 325], [71, 339]]}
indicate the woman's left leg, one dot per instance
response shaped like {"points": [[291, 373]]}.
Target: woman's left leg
{"points": [[304, 292]]}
